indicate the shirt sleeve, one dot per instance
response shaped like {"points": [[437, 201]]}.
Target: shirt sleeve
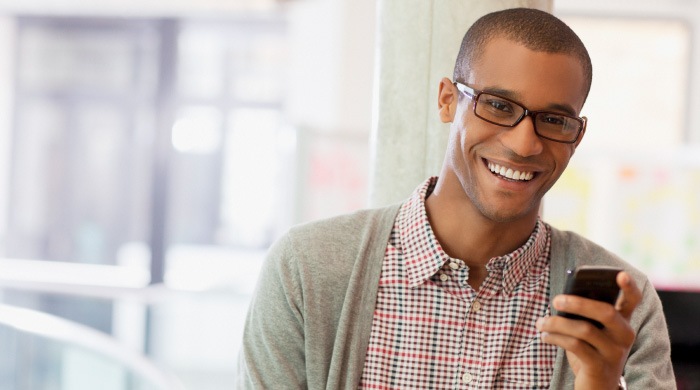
{"points": [[272, 352]]}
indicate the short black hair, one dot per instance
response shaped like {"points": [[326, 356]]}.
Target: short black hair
{"points": [[537, 30]]}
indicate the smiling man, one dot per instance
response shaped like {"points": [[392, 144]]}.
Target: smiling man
{"points": [[455, 288]]}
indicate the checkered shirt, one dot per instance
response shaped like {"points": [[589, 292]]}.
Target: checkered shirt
{"points": [[432, 330]]}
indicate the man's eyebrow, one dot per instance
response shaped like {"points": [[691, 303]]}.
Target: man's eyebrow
{"points": [[565, 108]]}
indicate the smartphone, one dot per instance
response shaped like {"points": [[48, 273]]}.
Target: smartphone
{"points": [[593, 282]]}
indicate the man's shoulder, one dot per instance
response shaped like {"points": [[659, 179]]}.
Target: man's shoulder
{"points": [[349, 226], [582, 249], [578, 250], [340, 238], [331, 249]]}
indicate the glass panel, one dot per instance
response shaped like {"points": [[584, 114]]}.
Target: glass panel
{"points": [[195, 176], [199, 335], [46, 353], [63, 58], [200, 62], [8, 358], [81, 165], [99, 154], [70, 188], [258, 71], [83, 139], [86, 168], [36, 163]]}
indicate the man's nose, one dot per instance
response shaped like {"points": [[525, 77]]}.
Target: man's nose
{"points": [[522, 138]]}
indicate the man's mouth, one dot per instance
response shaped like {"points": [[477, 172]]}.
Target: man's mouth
{"points": [[509, 173]]}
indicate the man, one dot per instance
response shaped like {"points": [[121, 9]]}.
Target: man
{"points": [[455, 287]]}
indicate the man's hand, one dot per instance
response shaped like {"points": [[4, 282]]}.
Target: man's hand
{"points": [[597, 356]]}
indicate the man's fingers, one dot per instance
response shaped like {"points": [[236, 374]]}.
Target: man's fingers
{"points": [[583, 339], [630, 295], [615, 322], [597, 353], [578, 347]]}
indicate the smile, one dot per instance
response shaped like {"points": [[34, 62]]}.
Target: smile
{"points": [[509, 173]]}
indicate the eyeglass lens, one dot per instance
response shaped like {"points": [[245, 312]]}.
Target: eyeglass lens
{"points": [[504, 112]]}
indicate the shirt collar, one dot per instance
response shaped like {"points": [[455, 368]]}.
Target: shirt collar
{"points": [[421, 251], [514, 266], [424, 256]]}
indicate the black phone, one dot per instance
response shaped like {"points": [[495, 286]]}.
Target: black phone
{"points": [[593, 282]]}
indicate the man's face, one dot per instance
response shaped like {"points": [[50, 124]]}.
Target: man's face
{"points": [[538, 81]]}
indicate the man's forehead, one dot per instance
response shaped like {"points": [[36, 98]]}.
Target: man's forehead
{"points": [[510, 69]]}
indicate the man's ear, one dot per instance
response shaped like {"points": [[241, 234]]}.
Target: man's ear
{"points": [[447, 100]]}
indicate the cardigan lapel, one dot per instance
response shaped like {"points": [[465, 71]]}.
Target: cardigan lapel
{"points": [[560, 259]]}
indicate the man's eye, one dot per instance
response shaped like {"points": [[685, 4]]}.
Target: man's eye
{"points": [[500, 105], [553, 119]]}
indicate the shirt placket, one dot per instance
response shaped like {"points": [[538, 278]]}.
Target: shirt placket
{"points": [[453, 277], [475, 371]]}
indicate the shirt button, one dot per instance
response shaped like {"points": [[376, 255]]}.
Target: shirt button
{"points": [[467, 377], [444, 277], [476, 306], [454, 265]]}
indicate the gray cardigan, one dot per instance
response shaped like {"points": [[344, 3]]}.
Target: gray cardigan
{"points": [[310, 319]]}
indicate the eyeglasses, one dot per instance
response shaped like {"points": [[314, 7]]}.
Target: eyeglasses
{"points": [[505, 112]]}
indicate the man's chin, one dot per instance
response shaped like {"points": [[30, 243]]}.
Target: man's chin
{"points": [[509, 214]]}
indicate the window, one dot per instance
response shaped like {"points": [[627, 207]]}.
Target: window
{"points": [[632, 185], [157, 148]]}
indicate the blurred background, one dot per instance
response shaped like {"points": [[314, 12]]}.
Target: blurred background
{"points": [[150, 152]]}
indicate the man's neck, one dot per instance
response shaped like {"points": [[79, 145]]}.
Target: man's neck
{"points": [[465, 233]]}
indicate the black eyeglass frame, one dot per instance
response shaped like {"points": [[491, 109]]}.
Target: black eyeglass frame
{"points": [[474, 95]]}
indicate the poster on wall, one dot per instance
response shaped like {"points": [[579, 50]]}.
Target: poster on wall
{"points": [[646, 210]]}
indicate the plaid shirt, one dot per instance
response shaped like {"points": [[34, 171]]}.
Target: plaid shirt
{"points": [[432, 330]]}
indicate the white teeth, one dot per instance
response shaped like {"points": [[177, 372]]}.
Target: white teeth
{"points": [[510, 173]]}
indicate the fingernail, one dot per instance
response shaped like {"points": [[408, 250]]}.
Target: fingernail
{"points": [[559, 302], [625, 278], [539, 323]]}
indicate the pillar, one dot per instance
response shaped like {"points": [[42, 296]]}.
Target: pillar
{"points": [[417, 44]]}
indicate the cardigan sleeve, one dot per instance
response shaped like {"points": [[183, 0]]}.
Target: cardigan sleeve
{"points": [[310, 319], [649, 363], [272, 353]]}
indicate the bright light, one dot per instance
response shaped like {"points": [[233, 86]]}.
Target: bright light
{"points": [[251, 164], [198, 131]]}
